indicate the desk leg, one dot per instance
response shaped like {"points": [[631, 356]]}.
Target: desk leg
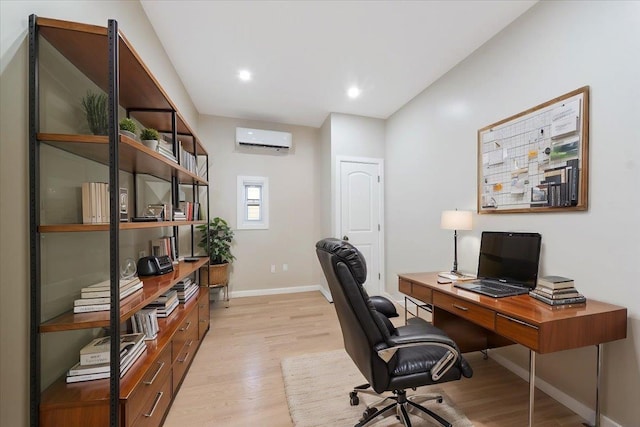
{"points": [[532, 383], [598, 369]]}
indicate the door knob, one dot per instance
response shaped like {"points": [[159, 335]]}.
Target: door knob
{"points": [[345, 238]]}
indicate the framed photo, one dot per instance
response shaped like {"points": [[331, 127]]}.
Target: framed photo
{"points": [[123, 203]]}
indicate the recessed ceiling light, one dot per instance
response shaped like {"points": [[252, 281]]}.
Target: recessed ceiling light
{"points": [[244, 75], [353, 92]]}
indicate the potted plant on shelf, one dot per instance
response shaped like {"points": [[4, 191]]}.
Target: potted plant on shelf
{"points": [[149, 137], [128, 127], [95, 109], [216, 241]]}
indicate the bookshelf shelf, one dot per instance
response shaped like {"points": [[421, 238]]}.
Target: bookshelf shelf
{"points": [[153, 287], [134, 157], [70, 228]]}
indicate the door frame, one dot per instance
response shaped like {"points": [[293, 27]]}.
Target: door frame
{"points": [[337, 212]]}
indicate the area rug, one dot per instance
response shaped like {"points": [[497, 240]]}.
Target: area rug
{"points": [[318, 385]]}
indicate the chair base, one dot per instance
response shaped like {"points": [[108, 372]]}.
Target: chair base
{"points": [[401, 407]]}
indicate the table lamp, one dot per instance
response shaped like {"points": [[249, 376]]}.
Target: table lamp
{"points": [[456, 220]]}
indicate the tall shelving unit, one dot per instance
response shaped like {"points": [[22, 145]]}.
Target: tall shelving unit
{"points": [[106, 59]]}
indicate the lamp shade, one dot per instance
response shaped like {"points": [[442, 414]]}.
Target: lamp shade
{"points": [[456, 220]]}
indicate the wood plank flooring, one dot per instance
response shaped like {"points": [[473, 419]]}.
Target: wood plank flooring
{"points": [[235, 378]]}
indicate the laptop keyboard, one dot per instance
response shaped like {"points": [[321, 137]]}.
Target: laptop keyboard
{"points": [[496, 286]]}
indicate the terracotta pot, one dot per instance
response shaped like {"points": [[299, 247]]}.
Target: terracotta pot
{"points": [[215, 274]]}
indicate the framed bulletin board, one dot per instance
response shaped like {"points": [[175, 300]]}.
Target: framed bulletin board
{"points": [[537, 160]]}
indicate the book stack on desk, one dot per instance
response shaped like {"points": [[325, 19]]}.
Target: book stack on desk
{"points": [[557, 290]]}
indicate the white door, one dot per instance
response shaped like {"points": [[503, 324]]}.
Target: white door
{"points": [[360, 214]]}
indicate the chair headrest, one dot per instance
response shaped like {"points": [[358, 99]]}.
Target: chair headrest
{"points": [[348, 254]]}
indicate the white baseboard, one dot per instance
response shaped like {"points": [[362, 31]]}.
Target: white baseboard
{"points": [[326, 293], [578, 407], [275, 291]]}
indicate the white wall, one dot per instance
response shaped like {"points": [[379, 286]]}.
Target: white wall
{"points": [[14, 177], [431, 166], [294, 198]]}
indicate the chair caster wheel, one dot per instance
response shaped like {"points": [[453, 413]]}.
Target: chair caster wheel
{"points": [[439, 400], [354, 400], [367, 413]]}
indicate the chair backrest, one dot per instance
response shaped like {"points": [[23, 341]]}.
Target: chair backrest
{"points": [[363, 331]]}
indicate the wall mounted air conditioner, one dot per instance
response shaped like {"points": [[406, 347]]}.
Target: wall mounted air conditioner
{"points": [[246, 137]]}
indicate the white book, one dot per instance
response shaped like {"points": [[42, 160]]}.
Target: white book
{"points": [[91, 301], [105, 285], [97, 351], [106, 294], [91, 308], [86, 203], [88, 377], [79, 369]]}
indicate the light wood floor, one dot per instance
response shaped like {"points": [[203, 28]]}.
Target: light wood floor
{"points": [[235, 378]]}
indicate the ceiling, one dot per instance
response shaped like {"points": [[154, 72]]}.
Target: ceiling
{"points": [[304, 55]]}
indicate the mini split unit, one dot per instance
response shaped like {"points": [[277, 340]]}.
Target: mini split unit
{"points": [[263, 138]]}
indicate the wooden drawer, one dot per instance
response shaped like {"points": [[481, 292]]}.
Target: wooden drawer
{"points": [[465, 309], [188, 330], [404, 286], [150, 384], [155, 406], [517, 330], [204, 313], [182, 361]]}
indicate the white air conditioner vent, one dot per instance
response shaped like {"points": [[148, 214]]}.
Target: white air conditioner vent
{"points": [[263, 138]]}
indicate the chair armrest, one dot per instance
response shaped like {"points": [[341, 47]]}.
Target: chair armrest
{"points": [[384, 306], [421, 339]]}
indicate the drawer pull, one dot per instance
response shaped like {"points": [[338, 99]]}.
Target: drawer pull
{"points": [[459, 307], [186, 327], [190, 342], [155, 404], [517, 321], [184, 359], [155, 375]]}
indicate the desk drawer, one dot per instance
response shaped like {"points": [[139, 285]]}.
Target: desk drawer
{"points": [[155, 406], [182, 362], [404, 286], [187, 331], [465, 309], [419, 292], [517, 330]]}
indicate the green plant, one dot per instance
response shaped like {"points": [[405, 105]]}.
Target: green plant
{"points": [[216, 240], [128, 125], [95, 108], [149, 134]]}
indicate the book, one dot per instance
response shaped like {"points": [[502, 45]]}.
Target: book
{"points": [[107, 293], [80, 373], [88, 377], [457, 277], [91, 308], [559, 294], [97, 351], [555, 282], [91, 301], [79, 369], [105, 285], [574, 300]]}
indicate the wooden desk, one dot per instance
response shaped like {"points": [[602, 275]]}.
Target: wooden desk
{"points": [[477, 322]]}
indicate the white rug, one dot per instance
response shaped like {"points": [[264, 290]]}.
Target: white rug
{"points": [[318, 385]]}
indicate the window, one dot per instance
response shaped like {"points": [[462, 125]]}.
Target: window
{"points": [[253, 202]]}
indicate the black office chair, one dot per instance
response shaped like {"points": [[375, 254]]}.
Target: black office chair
{"points": [[390, 358]]}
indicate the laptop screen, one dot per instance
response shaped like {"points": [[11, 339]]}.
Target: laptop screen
{"points": [[511, 257]]}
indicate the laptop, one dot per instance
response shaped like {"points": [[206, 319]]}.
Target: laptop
{"points": [[507, 266]]}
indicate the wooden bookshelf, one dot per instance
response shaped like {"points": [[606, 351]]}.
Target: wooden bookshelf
{"points": [[70, 228]]}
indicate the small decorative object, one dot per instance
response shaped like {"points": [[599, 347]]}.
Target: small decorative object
{"points": [[128, 128], [128, 269], [150, 138], [95, 108], [216, 240], [124, 205]]}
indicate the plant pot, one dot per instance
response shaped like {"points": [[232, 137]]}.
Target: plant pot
{"points": [[151, 143], [215, 275], [129, 134]]}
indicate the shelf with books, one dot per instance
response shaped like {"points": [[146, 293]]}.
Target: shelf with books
{"points": [[72, 228], [134, 157], [153, 287]]}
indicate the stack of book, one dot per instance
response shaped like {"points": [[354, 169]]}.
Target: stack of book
{"points": [[146, 321], [166, 150], [95, 356], [186, 289], [165, 303], [557, 290], [95, 203], [97, 297]]}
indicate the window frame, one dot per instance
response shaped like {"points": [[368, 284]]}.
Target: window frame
{"points": [[242, 203]]}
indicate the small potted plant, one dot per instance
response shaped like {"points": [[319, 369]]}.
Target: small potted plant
{"points": [[95, 109], [128, 128], [149, 137], [216, 241]]}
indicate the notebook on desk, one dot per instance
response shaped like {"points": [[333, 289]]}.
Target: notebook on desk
{"points": [[507, 265]]}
